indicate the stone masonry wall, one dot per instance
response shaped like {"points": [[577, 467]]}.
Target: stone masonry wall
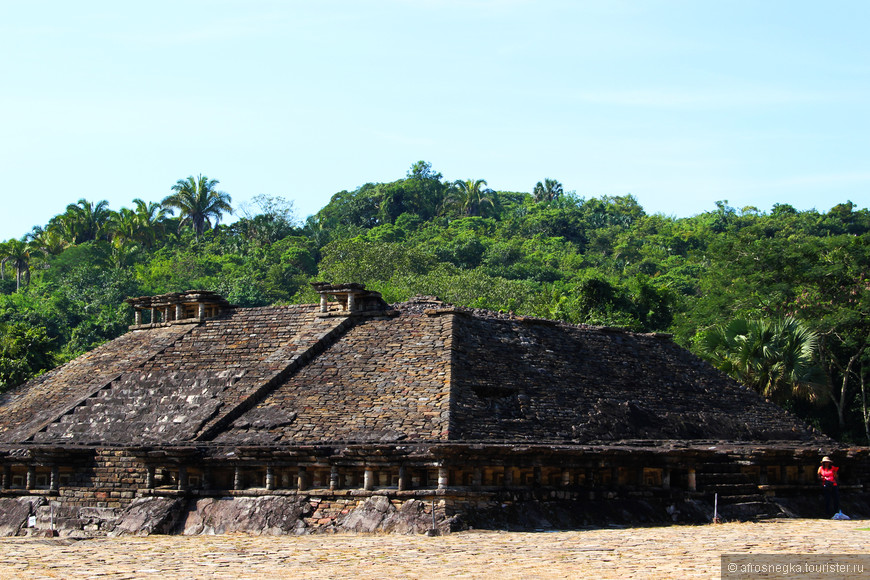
{"points": [[37, 402], [194, 382], [539, 381], [291, 375], [386, 379], [86, 504]]}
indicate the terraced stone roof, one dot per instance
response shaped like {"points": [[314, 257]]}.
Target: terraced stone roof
{"points": [[419, 371]]}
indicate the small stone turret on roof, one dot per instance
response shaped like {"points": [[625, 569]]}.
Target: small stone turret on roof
{"points": [[353, 297], [191, 306]]}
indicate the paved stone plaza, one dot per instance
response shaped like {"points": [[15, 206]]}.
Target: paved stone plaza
{"points": [[654, 552]]}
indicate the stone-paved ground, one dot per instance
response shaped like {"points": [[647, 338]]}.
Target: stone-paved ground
{"points": [[661, 552]]}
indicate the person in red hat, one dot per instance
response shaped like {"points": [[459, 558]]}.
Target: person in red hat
{"points": [[828, 475]]}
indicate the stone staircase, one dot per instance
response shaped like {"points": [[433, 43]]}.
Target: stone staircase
{"points": [[312, 340], [738, 496]]}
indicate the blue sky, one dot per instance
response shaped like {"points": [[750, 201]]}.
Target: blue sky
{"points": [[680, 103]]}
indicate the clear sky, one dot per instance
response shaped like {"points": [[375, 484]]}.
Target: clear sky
{"points": [[680, 103]]}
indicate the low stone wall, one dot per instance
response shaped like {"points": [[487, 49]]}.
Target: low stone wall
{"points": [[265, 513], [290, 513], [259, 514]]}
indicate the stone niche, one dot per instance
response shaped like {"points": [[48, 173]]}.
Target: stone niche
{"points": [[352, 298], [190, 306]]}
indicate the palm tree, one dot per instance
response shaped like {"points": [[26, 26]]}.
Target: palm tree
{"points": [[549, 190], [64, 227], [141, 225], [776, 358], [123, 252], [198, 201], [469, 197], [85, 221], [17, 253], [47, 240], [150, 217], [125, 226]]}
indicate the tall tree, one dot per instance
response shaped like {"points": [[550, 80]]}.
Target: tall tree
{"points": [[420, 193], [48, 240], [17, 253], [125, 226], [151, 217], [85, 221], [549, 190], [469, 197], [834, 297], [199, 202], [423, 170], [25, 350], [273, 219]]}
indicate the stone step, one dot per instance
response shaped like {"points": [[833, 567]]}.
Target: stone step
{"points": [[721, 478], [748, 510], [729, 487], [743, 498], [732, 491]]}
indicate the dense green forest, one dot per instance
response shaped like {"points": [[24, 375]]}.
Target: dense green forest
{"points": [[779, 299]]}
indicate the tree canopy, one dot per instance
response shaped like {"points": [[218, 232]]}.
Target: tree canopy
{"points": [[199, 202]]}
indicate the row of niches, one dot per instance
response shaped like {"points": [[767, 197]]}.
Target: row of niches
{"points": [[394, 477], [174, 313], [193, 304], [31, 477], [411, 478], [24, 477], [254, 477]]}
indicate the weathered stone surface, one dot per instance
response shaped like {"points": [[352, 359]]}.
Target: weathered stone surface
{"points": [[35, 403], [559, 514], [519, 381], [369, 517], [651, 552], [387, 379], [75, 521], [150, 515], [192, 384], [14, 512], [268, 515], [413, 517]]}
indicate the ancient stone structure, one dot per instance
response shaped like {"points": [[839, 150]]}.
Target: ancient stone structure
{"points": [[355, 415]]}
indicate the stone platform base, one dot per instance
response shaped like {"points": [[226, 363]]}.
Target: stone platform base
{"points": [[307, 514]]}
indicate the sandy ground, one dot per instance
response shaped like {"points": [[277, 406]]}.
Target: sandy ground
{"points": [[655, 552]]}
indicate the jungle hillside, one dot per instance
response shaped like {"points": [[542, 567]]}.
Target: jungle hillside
{"points": [[776, 297]]}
